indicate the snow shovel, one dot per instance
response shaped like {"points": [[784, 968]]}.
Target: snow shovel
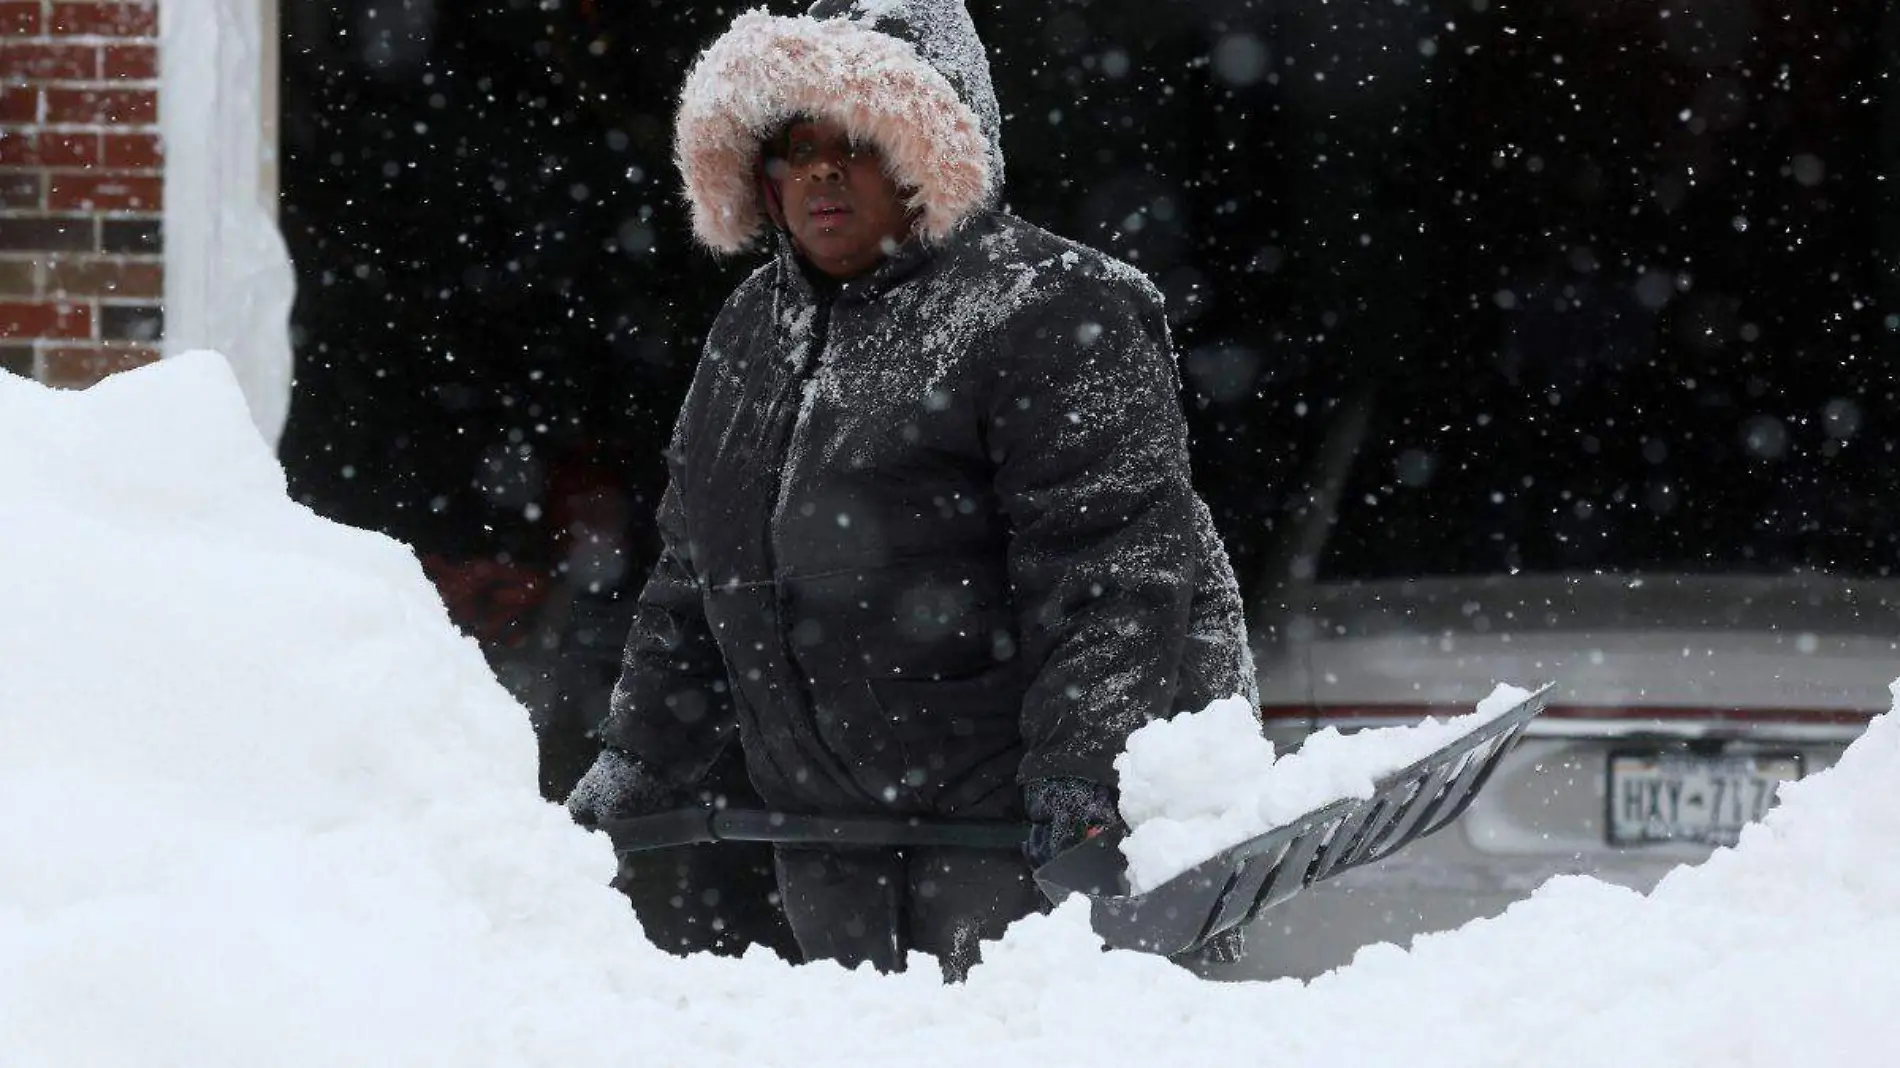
{"points": [[696, 826], [1234, 886], [1182, 914]]}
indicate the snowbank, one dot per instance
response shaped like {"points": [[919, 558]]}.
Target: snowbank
{"points": [[260, 804], [1201, 782]]}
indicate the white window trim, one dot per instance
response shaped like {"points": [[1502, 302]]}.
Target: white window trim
{"points": [[228, 278]]}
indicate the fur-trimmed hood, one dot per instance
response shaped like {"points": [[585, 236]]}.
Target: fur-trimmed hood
{"points": [[908, 75]]}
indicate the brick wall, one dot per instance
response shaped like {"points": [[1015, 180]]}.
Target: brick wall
{"points": [[81, 270]]}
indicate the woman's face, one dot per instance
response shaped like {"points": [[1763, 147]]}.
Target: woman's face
{"points": [[844, 213]]}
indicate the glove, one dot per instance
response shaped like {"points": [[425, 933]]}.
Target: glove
{"points": [[619, 786], [1065, 812]]}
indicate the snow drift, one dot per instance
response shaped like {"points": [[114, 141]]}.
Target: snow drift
{"points": [[261, 804]]}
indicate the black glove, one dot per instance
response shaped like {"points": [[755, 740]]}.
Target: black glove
{"points": [[619, 786], [1065, 812]]}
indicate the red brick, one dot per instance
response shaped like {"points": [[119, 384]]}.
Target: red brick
{"points": [[17, 359], [124, 107], [134, 235], [129, 63], [19, 104], [48, 233], [131, 19], [21, 149], [132, 152], [137, 323], [19, 190], [49, 319], [69, 149], [21, 60], [18, 148], [20, 18], [79, 366], [94, 276], [103, 192], [20, 276]]}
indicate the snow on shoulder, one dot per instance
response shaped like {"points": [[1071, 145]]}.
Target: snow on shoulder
{"points": [[1196, 784], [261, 804]]}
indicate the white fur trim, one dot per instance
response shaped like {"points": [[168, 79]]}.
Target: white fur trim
{"points": [[767, 69]]}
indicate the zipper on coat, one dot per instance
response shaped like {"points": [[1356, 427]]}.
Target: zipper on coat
{"points": [[793, 394]]}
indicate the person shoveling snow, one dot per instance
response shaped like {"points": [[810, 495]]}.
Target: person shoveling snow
{"points": [[931, 544]]}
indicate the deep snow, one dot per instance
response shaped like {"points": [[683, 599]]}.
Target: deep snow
{"points": [[261, 804]]}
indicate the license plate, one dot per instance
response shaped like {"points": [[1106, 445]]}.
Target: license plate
{"points": [[1687, 797]]}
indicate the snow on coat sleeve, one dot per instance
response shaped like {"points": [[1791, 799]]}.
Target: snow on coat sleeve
{"points": [[1091, 446], [672, 706]]}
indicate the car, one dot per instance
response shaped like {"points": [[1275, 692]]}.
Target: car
{"points": [[1711, 592], [1680, 702]]}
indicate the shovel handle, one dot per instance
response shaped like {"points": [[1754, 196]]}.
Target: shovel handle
{"points": [[694, 826]]}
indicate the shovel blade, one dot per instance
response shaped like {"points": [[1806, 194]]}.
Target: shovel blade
{"points": [[1232, 887]]}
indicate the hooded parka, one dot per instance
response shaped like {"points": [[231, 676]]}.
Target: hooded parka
{"points": [[929, 534]]}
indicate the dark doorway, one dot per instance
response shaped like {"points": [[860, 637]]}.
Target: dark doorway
{"points": [[1455, 212]]}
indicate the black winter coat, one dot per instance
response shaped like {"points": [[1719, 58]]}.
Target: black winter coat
{"points": [[930, 535]]}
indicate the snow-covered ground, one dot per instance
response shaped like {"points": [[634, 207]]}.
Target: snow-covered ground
{"points": [[261, 804]]}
